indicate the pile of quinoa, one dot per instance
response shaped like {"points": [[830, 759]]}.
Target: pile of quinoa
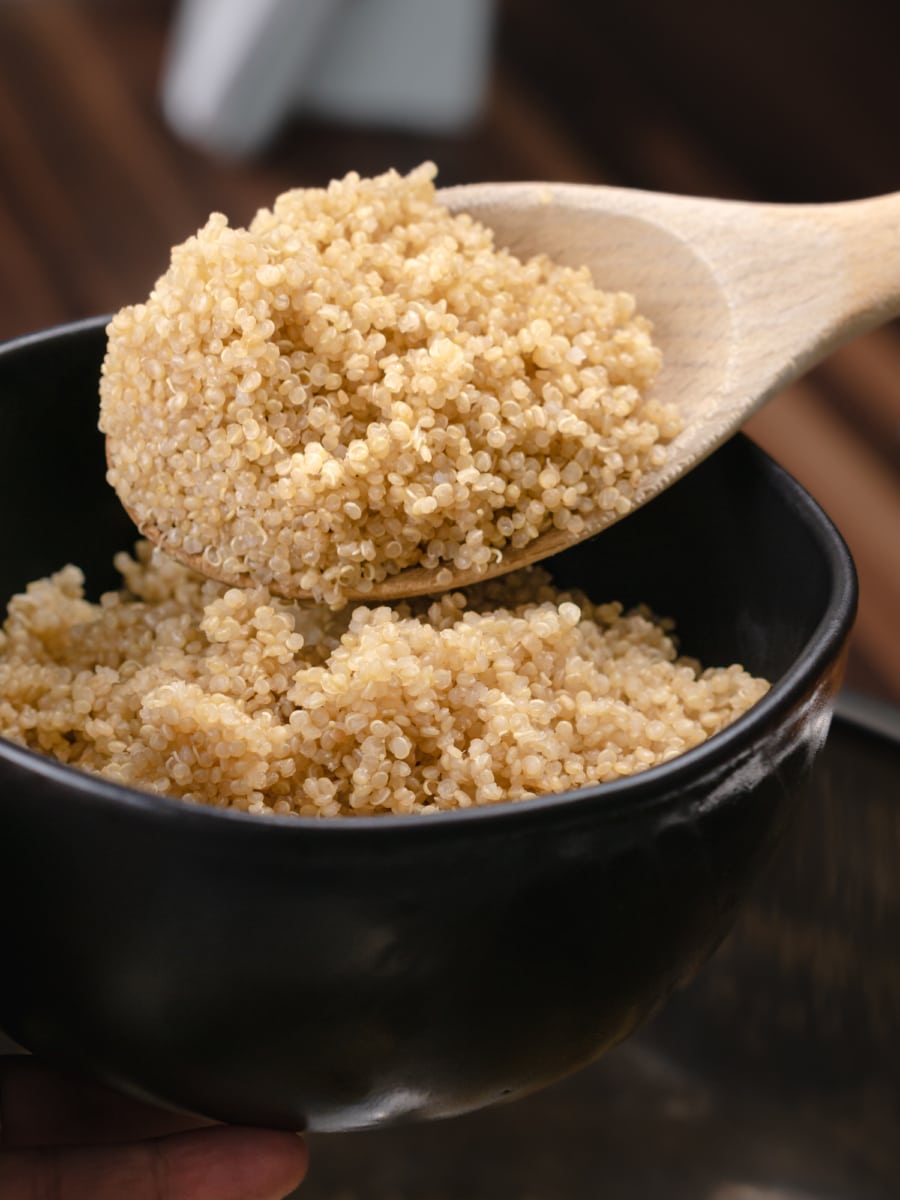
{"points": [[230, 697], [358, 383], [362, 382]]}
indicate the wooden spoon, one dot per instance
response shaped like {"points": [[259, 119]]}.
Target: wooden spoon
{"points": [[743, 298]]}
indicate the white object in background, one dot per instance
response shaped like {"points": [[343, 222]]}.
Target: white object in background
{"points": [[236, 68], [419, 64], [233, 65]]}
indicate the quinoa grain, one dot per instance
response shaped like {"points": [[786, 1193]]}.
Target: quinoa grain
{"points": [[230, 697], [361, 382]]}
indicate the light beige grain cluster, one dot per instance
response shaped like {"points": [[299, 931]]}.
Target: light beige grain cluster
{"points": [[230, 697], [361, 382]]}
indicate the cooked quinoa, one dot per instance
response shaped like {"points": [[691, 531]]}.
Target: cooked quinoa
{"points": [[183, 686], [361, 382]]}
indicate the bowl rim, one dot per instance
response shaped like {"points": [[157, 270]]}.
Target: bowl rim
{"points": [[657, 787]]}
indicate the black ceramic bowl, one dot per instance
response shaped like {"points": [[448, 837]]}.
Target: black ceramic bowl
{"points": [[341, 973]]}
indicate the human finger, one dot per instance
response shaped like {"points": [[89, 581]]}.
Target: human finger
{"points": [[222, 1163]]}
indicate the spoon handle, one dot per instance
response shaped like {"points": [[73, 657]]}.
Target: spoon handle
{"points": [[870, 231], [800, 280]]}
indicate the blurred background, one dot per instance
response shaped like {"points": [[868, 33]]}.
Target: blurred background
{"points": [[123, 123]]}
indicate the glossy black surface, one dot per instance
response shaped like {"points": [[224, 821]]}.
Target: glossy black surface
{"points": [[775, 1075], [346, 973]]}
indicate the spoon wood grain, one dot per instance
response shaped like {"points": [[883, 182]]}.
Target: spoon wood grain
{"points": [[743, 297]]}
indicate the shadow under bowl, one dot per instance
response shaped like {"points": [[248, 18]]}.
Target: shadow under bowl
{"points": [[337, 974]]}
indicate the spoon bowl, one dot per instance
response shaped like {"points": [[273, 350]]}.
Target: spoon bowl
{"points": [[743, 299]]}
